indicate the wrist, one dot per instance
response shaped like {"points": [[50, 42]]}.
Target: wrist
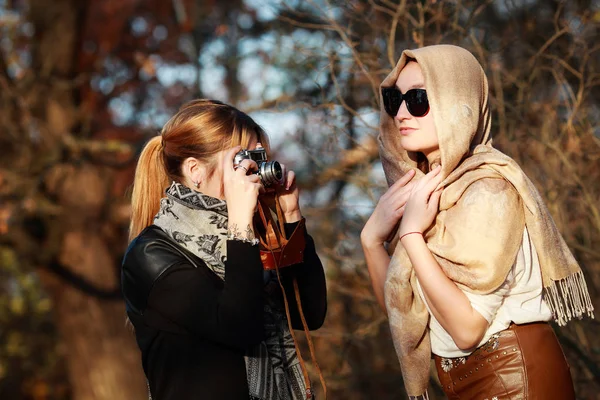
{"points": [[403, 229], [241, 232], [369, 242], [293, 216], [408, 234], [240, 224]]}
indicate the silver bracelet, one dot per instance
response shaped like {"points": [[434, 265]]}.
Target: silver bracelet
{"points": [[233, 236]]}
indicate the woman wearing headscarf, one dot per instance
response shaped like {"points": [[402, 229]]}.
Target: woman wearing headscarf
{"points": [[210, 322], [477, 266]]}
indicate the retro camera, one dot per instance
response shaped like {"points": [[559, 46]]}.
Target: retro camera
{"points": [[270, 172]]}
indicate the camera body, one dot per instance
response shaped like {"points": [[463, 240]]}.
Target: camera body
{"points": [[270, 172]]}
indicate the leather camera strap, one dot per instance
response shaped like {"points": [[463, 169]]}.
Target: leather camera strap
{"points": [[274, 238], [311, 346], [309, 394]]}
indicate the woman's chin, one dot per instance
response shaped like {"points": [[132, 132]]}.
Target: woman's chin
{"points": [[415, 145], [409, 145]]}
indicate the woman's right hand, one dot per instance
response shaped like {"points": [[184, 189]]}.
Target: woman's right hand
{"points": [[388, 212], [241, 190]]}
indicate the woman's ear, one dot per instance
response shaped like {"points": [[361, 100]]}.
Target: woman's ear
{"points": [[193, 171]]}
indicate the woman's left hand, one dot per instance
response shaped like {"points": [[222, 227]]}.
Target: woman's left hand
{"points": [[289, 197], [422, 205]]}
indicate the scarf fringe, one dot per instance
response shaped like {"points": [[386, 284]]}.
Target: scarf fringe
{"points": [[424, 396], [568, 298]]}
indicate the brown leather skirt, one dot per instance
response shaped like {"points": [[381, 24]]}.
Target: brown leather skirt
{"points": [[521, 362]]}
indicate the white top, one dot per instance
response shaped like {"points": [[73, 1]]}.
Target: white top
{"points": [[519, 300]]}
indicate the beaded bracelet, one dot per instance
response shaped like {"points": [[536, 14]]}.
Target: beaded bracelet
{"points": [[233, 236]]}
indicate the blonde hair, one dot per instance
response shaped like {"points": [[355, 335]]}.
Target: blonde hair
{"points": [[200, 129]]}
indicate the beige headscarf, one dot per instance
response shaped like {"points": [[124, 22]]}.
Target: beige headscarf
{"points": [[486, 202]]}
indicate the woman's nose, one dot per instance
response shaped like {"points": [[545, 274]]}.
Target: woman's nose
{"points": [[402, 113]]}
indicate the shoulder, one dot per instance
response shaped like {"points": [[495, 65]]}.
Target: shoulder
{"points": [[490, 191], [490, 204], [151, 247], [147, 258], [477, 200]]}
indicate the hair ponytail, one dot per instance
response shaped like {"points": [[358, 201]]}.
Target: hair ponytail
{"points": [[149, 186]]}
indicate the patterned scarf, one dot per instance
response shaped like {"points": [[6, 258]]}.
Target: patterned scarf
{"points": [[199, 224]]}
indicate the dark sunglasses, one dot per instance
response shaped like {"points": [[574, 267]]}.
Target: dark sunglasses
{"points": [[416, 101]]}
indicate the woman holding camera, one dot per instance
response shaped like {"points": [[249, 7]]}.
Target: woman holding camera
{"points": [[478, 267], [209, 320]]}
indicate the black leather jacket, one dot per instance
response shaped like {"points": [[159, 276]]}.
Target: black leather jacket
{"points": [[192, 327], [147, 258]]}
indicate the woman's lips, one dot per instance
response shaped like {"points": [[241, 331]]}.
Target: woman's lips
{"points": [[406, 130]]}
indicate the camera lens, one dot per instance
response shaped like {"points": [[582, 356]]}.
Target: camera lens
{"points": [[270, 172]]}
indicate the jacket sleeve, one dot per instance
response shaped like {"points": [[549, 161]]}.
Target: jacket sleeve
{"points": [[311, 285], [195, 299]]}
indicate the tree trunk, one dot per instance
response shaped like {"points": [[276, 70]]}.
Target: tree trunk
{"points": [[102, 358]]}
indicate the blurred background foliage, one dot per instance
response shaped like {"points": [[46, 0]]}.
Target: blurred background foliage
{"points": [[83, 84]]}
